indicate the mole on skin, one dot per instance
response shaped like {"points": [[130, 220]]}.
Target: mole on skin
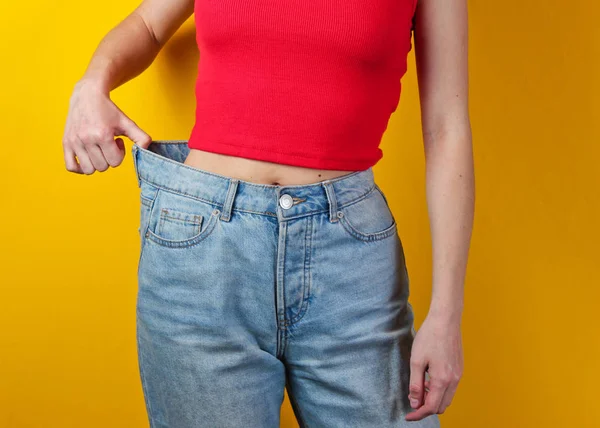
{"points": [[277, 183]]}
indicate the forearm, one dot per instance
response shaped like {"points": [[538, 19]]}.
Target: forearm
{"points": [[450, 197], [124, 53]]}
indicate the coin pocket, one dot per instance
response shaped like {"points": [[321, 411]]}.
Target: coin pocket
{"points": [[176, 225]]}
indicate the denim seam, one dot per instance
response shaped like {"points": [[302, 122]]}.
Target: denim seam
{"points": [[357, 199], [306, 291], [146, 394], [195, 224], [216, 204], [361, 236], [368, 237], [191, 242], [280, 285], [172, 190], [149, 202], [187, 195], [175, 219], [146, 201]]}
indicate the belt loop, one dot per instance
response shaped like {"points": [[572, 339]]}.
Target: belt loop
{"points": [[134, 155], [228, 204], [332, 200]]}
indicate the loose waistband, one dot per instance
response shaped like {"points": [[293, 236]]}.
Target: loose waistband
{"points": [[162, 165]]}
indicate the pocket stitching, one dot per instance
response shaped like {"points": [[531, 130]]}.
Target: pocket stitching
{"points": [[195, 222], [146, 201], [189, 242], [149, 203], [372, 236]]}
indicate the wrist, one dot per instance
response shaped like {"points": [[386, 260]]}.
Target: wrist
{"points": [[91, 83], [445, 312]]}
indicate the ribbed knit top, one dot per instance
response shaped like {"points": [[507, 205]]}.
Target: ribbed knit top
{"points": [[300, 82]]}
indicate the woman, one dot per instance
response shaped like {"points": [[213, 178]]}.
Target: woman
{"points": [[270, 258]]}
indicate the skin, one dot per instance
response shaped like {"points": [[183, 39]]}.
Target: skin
{"points": [[94, 121], [441, 53], [95, 124]]}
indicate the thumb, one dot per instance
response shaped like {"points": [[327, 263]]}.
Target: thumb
{"points": [[130, 129], [416, 388]]}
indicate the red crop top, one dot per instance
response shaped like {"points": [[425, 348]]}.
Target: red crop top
{"points": [[306, 83]]}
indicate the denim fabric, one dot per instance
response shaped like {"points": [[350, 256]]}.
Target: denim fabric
{"points": [[241, 296]]}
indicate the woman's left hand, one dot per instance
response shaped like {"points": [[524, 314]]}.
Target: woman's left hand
{"points": [[437, 350]]}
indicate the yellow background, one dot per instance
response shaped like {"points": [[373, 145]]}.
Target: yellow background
{"points": [[69, 243]]}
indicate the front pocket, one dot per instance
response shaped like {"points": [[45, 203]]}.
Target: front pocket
{"points": [[369, 218], [178, 221], [175, 225]]}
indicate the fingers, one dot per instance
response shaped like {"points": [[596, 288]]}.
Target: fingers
{"points": [[70, 161], [432, 402], [416, 389], [447, 398], [120, 145], [450, 391], [85, 163], [130, 129], [113, 152], [95, 144], [95, 151], [436, 355], [93, 121], [97, 157], [439, 392]]}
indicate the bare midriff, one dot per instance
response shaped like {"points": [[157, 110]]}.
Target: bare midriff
{"points": [[258, 171]]}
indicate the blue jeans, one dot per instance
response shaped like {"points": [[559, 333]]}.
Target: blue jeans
{"points": [[246, 289]]}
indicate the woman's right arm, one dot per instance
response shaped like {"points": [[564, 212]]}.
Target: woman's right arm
{"points": [[125, 52]]}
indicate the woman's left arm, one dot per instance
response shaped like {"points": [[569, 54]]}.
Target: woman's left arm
{"points": [[441, 53]]}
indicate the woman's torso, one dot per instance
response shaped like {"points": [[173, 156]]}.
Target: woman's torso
{"points": [[258, 171], [293, 93]]}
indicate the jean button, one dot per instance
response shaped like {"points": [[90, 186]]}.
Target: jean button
{"points": [[286, 201]]}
